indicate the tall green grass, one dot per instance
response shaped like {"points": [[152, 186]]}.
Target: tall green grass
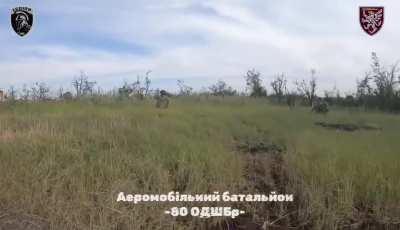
{"points": [[67, 162]]}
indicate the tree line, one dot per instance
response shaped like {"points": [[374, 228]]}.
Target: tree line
{"points": [[378, 89]]}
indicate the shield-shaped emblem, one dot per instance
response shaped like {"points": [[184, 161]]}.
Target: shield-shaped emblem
{"points": [[21, 20], [371, 19]]}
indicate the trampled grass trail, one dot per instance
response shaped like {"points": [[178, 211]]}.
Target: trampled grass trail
{"points": [[65, 163]]}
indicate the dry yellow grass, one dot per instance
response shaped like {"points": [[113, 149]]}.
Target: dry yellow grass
{"points": [[65, 163]]}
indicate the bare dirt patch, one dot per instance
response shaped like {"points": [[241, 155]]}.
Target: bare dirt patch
{"points": [[348, 127], [7, 136], [266, 172]]}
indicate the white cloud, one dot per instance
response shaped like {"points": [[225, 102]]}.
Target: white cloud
{"points": [[201, 39]]}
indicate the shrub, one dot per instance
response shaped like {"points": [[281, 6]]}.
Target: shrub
{"points": [[320, 107]]}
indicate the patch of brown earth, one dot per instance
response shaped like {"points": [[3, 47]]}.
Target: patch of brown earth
{"points": [[346, 127], [7, 136], [265, 173]]}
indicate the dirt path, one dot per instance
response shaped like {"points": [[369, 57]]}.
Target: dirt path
{"points": [[266, 172]]}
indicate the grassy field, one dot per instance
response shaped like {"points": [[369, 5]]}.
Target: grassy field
{"points": [[65, 163]]}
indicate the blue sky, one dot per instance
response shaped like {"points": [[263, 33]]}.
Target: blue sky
{"points": [[197, 41]]}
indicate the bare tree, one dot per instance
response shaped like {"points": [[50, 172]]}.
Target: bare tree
{"points": [[147, 83], [139, 89], [279, 86], [34, 93], [88, 87], [308, 89], [39, 91], [78, 82], [385, 81], [363, 86], [136, 89], [184, 90], [254, 84], [12, 93], [364, 90], [82, 85], [43, 91]]}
